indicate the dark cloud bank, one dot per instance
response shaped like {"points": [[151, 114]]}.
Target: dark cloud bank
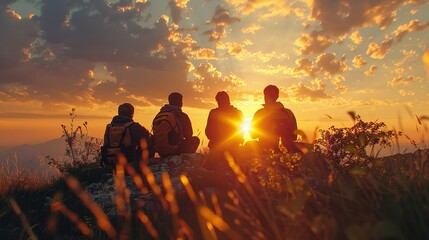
{"points": [[52, 58]]}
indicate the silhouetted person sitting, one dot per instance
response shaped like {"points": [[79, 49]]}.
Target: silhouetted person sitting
{"points": [[125, 136], [274, 124], [172, 129], [223, 130]]}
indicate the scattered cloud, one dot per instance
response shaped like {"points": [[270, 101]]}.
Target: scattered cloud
{"points": [[316, 92], [358, 61], [405, 81], [268, 8], [379, 51], [315, 42], [327, 63], [371, 71], [338, 17], [306, 65], [356, 38], [413, 26], [203, 53], [209, 81], [220, 20], [406, 93], [337, 81], [252, 28], [176, 9]]}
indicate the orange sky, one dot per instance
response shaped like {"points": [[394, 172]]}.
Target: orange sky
{"points": [[327, 58]]}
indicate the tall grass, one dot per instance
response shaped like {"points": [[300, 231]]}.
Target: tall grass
{"points": [[14, 178]]}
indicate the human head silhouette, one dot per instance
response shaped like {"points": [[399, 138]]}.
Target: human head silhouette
{"points": [[222, 99], [126, 110], [175, 99], [271, 94]]}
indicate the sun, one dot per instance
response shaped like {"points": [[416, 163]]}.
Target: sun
{"points": [[245, 129]]}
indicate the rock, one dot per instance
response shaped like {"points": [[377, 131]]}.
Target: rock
{"points": [[104, 193]]}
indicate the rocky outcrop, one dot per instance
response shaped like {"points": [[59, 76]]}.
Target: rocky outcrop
{"points": [[191, 165]]}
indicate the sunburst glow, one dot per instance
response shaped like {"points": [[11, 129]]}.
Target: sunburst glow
{"points": [[245, 128]]}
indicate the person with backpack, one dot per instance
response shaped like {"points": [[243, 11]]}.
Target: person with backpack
{"points": [[274, 124], [125, 136], [172, 129], [223, 131]]}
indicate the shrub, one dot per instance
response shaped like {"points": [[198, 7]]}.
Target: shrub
{"points": [[347, 147], [81, 149]]}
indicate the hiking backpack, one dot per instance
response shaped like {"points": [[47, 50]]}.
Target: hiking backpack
{"points": [[166, 133], [117, 141]]}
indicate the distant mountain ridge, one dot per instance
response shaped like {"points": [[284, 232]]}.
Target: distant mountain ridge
{"points": [[31, 157]]}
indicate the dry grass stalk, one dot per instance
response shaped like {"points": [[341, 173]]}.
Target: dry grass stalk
{"points": [[15, 207], [101, 217]]}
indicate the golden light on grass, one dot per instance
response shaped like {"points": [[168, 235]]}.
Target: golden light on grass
{"points": [[266, 212], [58, 206], [216, 205], [102, 219], [155, 188], [138, 181], [214, 220], [148, 224], [170, 193], [188, 188], [15, 207]]}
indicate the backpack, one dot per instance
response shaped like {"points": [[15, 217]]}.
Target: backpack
{"points": [[287, 124], [166, 133], [117, 141]]}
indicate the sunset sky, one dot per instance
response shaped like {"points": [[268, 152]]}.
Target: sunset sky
{"points": [[328, 57]]}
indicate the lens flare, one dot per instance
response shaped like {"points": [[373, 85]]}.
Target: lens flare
{"points": [[245, 128]]}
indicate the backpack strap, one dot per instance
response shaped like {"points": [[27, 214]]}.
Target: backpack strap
{"points": [[108, 134], [172, 127], [178, 125], [127, 126]]}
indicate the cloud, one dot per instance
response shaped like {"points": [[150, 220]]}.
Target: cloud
{"points": [[379, 51], [234, 48], [371, 71], [269, 8], [209, 81], [337, 81], [17, 35], [54, 55], [317, 92], [356, 37], [203, 53], [325, 63], [220, 20], [252, 28], [406, 93], [306, 65], [339, 17], [413, 26], [405, 81], [358, 61], [333, 19], [315, 42], [176, 9]]}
